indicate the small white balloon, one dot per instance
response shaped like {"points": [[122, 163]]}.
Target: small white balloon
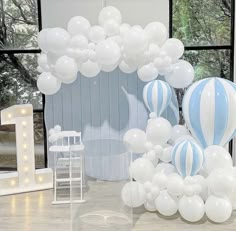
{"points": [[150, 206], [165, 168], [48, 84], [136, 138], [165, 204], [166, 155], [124, 67], [147, 72], [142, 170], [97, 34], [42, 40], [78, 25], [147, 186], [191, 208], [57, 128], [182, 74], [43, 62], [204, 188], [218, 209], [90, 69], [160, 180], [133, 194], [175, 185], [174, 48], [109, 13]]}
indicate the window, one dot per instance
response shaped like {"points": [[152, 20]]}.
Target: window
{"points": [[206, 28], [20, 22]]}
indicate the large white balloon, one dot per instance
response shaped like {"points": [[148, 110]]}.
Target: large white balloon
{"points": [[109, 13], [48, 84], [133, 194], [126, 68], [78, 25], [97, 34], [90, 69], [158, 130], [191, 208], [182, 74], [108, 52], [142, 170], [218, 209], [174, 48], [216, 157], [156, 32], [57, 40], [136, 138], [175, 185], [42, 39], [66, 68], [165, 204], [147, 72]]}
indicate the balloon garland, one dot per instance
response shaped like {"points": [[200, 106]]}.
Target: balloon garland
{"points": [[185, 169]]}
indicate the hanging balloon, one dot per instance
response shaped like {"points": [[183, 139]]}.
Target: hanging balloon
{"points": [[209, 109], [187, 157], [157, 96]]}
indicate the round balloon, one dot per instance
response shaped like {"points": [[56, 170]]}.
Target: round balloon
{"points": [[157, 96], [187, 157], [42, 40], [90, 69], [209, 109], [109, 13], [78, 25], [147, 72], [126, 68], [97, 34]]}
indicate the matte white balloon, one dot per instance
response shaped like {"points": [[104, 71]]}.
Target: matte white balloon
{"points": [[165, 168], [48, 84], [109, 13], [96, 34], [133, 194], [174, 48], [175, 185], [147, 72], [216, 157], [111, 27], [90, 69], [142, 170], [166, 155], [42, 40], [204, 187], [150, 206], [136, 138], [191, 208], [156, 32], [78, 25], [182, 74], [126, 68], [57, 40], [218, 209], [160, 180]]}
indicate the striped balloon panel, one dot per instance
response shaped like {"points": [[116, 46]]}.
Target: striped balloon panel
{"points": [[157, 96], [209, 111], [187, 157]]}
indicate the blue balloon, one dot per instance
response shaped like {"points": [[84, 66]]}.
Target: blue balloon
{"points": [[187, 157], [209, 109], [157, 96]]}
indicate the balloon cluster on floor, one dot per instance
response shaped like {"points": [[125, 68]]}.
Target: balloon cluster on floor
{"points": [[90, 49], [186, 169]]}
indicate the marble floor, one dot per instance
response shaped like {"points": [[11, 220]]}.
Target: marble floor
{"points": [[34, 212]]}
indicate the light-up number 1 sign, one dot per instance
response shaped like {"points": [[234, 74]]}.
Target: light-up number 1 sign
{"points": [[26, 178]]}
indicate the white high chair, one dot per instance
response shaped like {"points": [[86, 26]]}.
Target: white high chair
{"points": [[67, 148]]}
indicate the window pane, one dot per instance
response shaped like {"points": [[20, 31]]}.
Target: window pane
{"points": [[202, 22], [18, 74], [209, 63], [19, 23], [8, 144]]}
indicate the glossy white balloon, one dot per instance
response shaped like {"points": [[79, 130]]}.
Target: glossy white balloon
{"points": [[42, 39], [78, 25], [147, 72], [90, 69], [109, 13], [111, 27], [177, 132], [126, 68], [97, 34], [175, 185], [165, 168]]}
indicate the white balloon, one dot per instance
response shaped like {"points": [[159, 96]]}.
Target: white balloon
{"points": [[117, 39], [90, 69], [177, 132], [165, 168], [109, 68], [135, 41], [142, 170], [78, 42], [147, 72], [124, 67], [111, 27], [182, 74], [43, 62], [109, 13], [133, 194], [57, 128], [42, 39], [165, 204], [124, 28], [156, 32], [166, 155], [150, 206], [136, 138], [204, 188], [160, 180], [158, 131], [216, 157], [185, 137], [191, 208], [57, 40], [153, 51], [108, 52], [78, 25], [174, 48], [66, 68], [218, 209], [97, 34], [175, 185], [48, 84]]}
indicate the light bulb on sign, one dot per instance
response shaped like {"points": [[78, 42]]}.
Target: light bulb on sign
{"points": [[9, 116], [26, 180], [23, 111], [25, 146], [26, 169], [24, 123], [25, 157], [13, 182], [40, 179], [24, 135]]}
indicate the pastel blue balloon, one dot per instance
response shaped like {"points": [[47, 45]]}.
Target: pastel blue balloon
{"points": [[187, 157], [157, 96], [209, 110]]}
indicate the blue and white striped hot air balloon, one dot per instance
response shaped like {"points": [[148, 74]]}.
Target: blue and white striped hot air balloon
{"points": [[209, 109], [157, 96], [187, 157]]}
